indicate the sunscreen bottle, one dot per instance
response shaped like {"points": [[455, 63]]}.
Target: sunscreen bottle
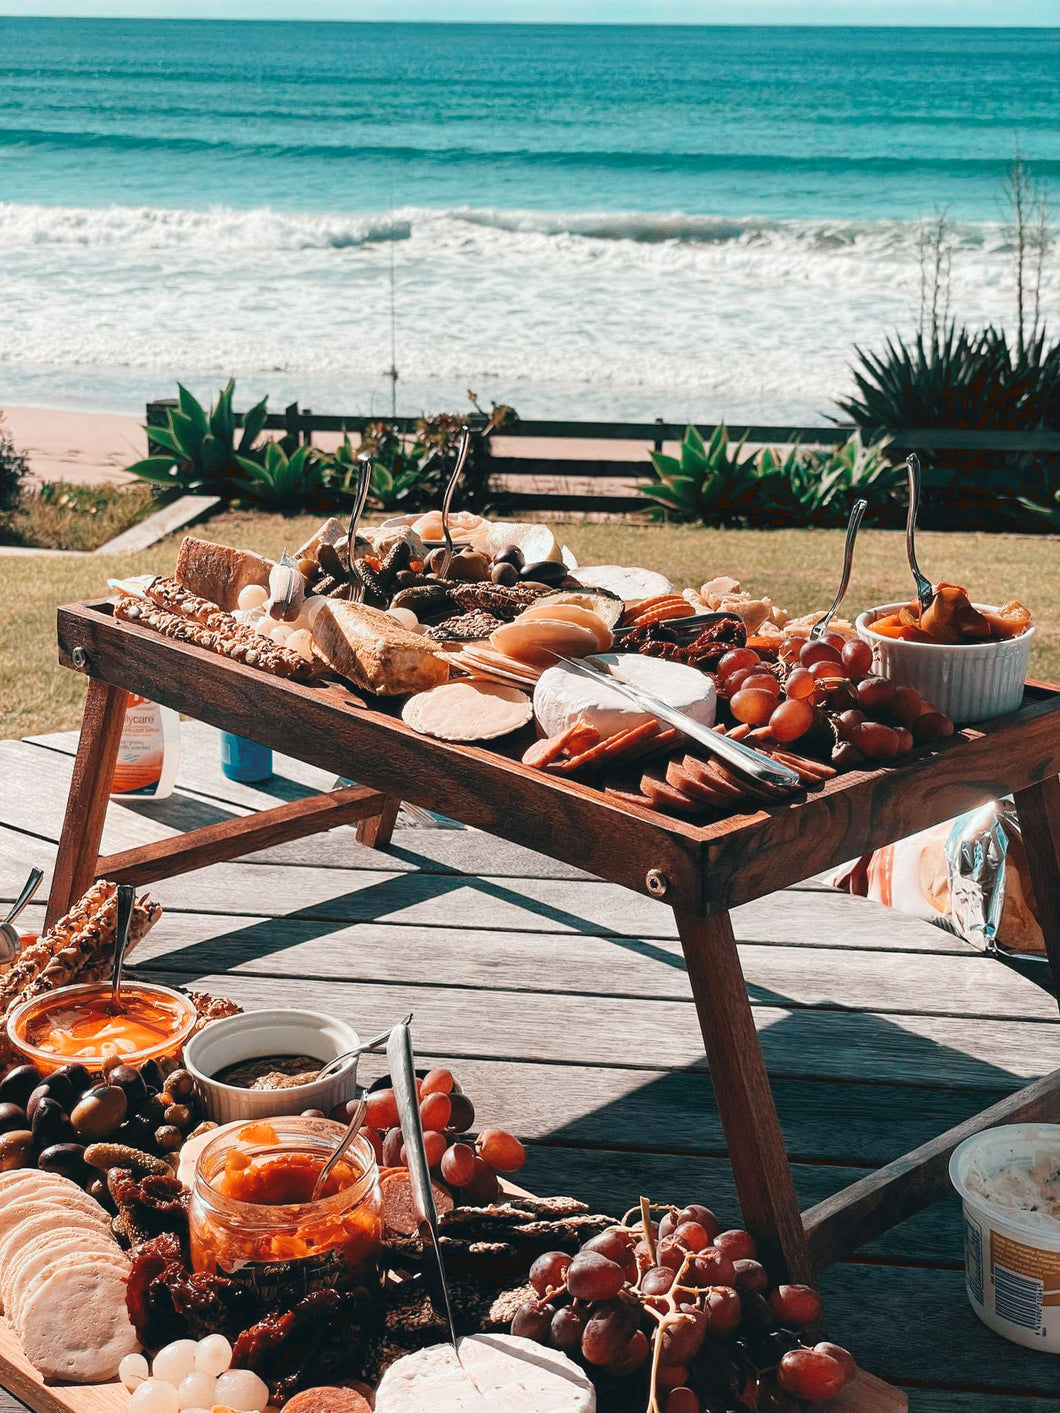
{"points": [[149, 752]]}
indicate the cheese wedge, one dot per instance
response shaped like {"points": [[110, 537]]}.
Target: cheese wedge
{"points": [[501, 1373], [374, 651]]}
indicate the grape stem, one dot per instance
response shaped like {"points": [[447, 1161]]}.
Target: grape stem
{"points": [[645, 1221]]}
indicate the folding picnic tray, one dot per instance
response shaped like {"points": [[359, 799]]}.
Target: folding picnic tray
{"points": [[701, 870]]}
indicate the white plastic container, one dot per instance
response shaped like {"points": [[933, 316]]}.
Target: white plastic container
{"points": [[968, 681], [1011, 1257], [149, 752], [275, 1032]]}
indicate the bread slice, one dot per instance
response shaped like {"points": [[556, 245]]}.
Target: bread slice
{"points": [[218, 572], [374, 651]]}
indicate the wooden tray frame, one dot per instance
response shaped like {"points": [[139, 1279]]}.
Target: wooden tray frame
{"points": [[700, 870]]}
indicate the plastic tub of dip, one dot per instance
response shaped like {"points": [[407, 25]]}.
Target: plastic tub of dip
{"points": [[255, 1065], [76, 1025], [1009, 1181]]}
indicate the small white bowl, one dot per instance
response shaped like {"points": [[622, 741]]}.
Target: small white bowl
{"points": [[276, 1032], [968, 681]]}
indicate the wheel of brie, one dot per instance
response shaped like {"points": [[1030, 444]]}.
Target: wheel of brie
{"points": [[496, 1373], [563, 695]]}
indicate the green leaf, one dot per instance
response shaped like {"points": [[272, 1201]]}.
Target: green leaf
{"points": [[159, 470], [253, 424], [162, 436], [693, 442], [193, 410]]}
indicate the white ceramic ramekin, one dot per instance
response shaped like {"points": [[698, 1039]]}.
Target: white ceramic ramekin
{"points": [[277, 1032], [1011, 1257], [968, 681]]}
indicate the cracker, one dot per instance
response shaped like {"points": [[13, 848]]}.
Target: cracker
{"points": [[42, 1221], [328, 1400], [68, 1246], [44, 1263], [468, 711], [75, 1325]]}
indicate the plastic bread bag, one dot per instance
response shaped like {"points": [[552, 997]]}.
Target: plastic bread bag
{"points": [[968, 876]]}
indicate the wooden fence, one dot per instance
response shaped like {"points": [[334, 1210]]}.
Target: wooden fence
{"points": [[516, 473]]}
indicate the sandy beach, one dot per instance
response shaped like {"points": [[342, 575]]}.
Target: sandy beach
{"points": [[85, 447]]}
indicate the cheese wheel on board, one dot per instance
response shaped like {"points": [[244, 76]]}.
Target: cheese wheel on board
{"points": [[507, 1375], [563, 695], [629, 582]]}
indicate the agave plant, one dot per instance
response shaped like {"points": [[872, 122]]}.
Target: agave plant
{"points": [[281, 482], [704, 483], [202, 455]]}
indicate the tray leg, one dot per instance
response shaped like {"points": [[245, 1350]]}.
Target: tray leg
{"points": [[376, 830], [86, 804], [741, 1085], [1038, 808]]}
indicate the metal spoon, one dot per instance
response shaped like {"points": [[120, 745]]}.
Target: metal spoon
{"points": [[447, 500], [352, 1130], [853, 525], [10, 942], [376, 1043], [126, 899], [924, 592]]}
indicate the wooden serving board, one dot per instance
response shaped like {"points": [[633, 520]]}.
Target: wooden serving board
{"points": [[865, 1395]]}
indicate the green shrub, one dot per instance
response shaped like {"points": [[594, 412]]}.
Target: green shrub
{"points": [[14, 468], [714, 485], [280, 482], [201, 453]]}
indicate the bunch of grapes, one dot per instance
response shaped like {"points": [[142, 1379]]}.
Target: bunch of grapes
{"points": [[684, 1314], [828, 683], [467, 1165]]}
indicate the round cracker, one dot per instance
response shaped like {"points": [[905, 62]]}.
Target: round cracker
{"points": [[46, 1262], [40, 1222], [468, 711], [67, 1244], [75, 1325]]}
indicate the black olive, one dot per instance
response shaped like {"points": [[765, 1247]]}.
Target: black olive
{"points": [[151, 1074], [18, 1084], [545, 571], [78, 1076], [510, 554], [129, 1079], [67, 1159], [12, 1116], [49, 1123], [53, 1086]]}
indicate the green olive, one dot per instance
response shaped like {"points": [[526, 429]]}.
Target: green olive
{"points": [[99, 1112], [16, 1149]]}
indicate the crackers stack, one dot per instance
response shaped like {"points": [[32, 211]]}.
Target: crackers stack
{"points": [[62, 1278]]}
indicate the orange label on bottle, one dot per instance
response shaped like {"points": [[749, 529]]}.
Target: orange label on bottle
{"points": [[140, 754]]}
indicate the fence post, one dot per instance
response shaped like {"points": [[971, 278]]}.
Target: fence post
{"points": [[307, 431], [156, 416], [292, 425], [658, 438]]}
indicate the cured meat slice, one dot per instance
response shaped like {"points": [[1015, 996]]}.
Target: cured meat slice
{"points": [[75, 1325]]}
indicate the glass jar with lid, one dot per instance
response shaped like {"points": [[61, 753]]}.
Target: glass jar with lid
{"points": [[252, 1217]]}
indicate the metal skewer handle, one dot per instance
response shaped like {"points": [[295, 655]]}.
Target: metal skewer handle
{"points": [[924, 592], [857, 514]]}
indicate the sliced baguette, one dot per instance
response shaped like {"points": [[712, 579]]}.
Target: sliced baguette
{"points": [[372, 649]]}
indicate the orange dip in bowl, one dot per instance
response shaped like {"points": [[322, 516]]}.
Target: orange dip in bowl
{"points": [[76, 1024]]}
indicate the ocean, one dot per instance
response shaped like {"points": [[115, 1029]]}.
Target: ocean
{"points": [[595, 222]]}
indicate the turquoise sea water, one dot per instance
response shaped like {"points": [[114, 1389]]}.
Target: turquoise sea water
{"points": [[620, 221]]}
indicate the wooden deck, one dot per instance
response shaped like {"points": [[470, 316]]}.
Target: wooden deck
{"points": [[562, 1003]]}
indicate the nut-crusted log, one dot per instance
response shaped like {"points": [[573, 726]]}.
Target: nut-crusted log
{"points": [[78, 948], [196, 621]]}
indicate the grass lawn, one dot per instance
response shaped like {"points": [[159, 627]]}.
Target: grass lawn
{"points": [[797, 568]]}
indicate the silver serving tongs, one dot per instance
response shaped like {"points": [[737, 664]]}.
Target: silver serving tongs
{"points": [[10, 942], [765, 772], [853, 526], [125, 901], [447, 500], [403, 1078], [376, 1043], [288, 593], [924, 591], [364, 485]]}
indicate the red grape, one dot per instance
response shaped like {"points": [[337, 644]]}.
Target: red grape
{"points": [[848, 721], [692, 1236], [591, 1276], [438, 1082], [762, 681], [857, 657], [435, 1146], [722, 1309], [796, 1306], [826, 672], [905, 740], [632, 1357], [790, 720], [846, 756], [670, 1376], [549, 1271], [656, 1281], [876, 692], [816, 650], [842, 1357], [381, 1109], [567, 1328], [435, 1111], [736, 658], [834, 640], [483, 1187], [738, 1245], [735, 680], [750, 1275], [712, 1267], [906, 705], [931, 726], [609, 1329], [800, 685], [668, 1222], [533, 1322], [753, 706], [393, 1146], [668, 1253], [458, 1165], [680, 1338], [503, 1151], [806, 1374], [696, 1212], [616, 1245], [790, 648], [463, 1115], [375, 1138], [682, 1400], [876, 741]]}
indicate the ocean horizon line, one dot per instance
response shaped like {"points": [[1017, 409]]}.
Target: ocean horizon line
{"points": [[481, 25]]}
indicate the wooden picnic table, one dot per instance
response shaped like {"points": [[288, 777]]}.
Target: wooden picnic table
{"points": [[562, 1002]]}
